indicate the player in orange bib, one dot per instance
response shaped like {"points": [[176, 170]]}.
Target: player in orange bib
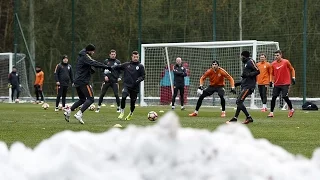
{"points": [[38, 83], [284, 75], [264, 79], [216, 76]]}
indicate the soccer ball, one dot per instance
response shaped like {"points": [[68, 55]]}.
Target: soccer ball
{"points": [[92, 107], [60, 106], [45, 106], [152, 116]]}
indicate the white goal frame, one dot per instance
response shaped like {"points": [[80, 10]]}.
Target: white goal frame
{"points": [[10, 65], [217, 44]]}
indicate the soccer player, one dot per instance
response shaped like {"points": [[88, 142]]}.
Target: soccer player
{"points": [[264, 79], [14, 83], [216, 75], [283, 74], [110, 80], [63, 75], [248, 84], [179, 73], [133, 74], [84, 69], [38, 83]]}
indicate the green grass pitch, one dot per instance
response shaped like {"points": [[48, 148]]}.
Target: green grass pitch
{"points": [[31, 124]]}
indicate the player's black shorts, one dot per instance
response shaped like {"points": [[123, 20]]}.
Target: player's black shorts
{"points": [[284, 89], [211, 89]]}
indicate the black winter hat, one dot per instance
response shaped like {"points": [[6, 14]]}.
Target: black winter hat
{"points": [[245, 54], [64, 56], [215, 61], [90, 47]]}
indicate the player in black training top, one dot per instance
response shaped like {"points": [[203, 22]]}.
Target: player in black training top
{"points": [[111, 79], [179, 73], [248, 84], [63, 76], [133, 74], [84, 69]]}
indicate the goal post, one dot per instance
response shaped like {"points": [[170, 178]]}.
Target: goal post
{"points": [[159, 59], [6, 64]]}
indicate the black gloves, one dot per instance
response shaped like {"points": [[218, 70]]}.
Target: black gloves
{"points": [[237, 84], [271, 84], [233, 91], [201, 87], [293, 81]]}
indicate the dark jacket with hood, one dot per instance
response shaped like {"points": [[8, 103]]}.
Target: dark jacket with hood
{"points": [[63, 73], [84, 68]]}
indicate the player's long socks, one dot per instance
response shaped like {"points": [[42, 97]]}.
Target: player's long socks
{"points": [[86, 104], [273, 103], [123, 102], [76, 104], [199, 102], [243, 109], [63, 101], [181, 100], [236, 115], [117, 100], [223, 103], [288, 102], [57, 101], [132, 105]]}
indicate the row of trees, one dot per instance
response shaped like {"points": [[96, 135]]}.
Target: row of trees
{"points": [[114, 24]]}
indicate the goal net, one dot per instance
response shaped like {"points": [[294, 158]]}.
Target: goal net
{"points": [[6, 64], [159, 59]]}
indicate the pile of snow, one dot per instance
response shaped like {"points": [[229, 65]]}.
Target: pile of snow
{"points": [[164, 151]]}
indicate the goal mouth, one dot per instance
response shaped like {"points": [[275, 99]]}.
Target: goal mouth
{"points": [[159, 59], [7, 61]]}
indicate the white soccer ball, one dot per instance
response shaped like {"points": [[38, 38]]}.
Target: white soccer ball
{"points": [[152, 116], [92, 107], [45, 106], [60, 106]]}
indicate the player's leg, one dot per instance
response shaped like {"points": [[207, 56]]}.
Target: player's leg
{"points": [[275, 93], [241, 107], [18, 90], [221, 93], [280, 101], [88, 93], [64, 95], [181, 91], [125, 94], [206, 92], [115, 88], [263, 95], [133, 99], [82, 99], [175, 93], [285, 97], [12, 93], [59, 94], [104, 88], [36, 93]]}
